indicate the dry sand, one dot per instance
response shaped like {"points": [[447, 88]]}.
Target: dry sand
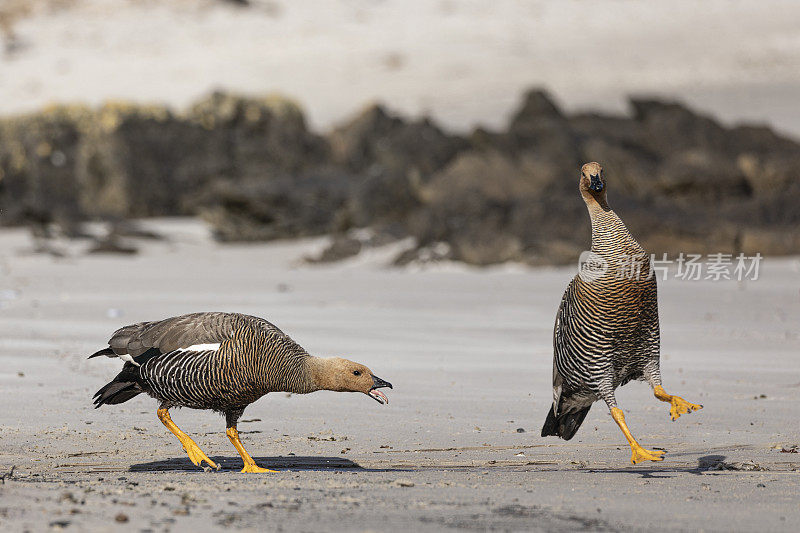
{"points": [[463, 61], [468, 352]]}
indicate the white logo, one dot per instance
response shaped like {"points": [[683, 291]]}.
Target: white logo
{"points": [[591, 266]]}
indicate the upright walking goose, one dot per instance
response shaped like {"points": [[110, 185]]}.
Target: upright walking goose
{"points": [[607, 332], [223, 362]]}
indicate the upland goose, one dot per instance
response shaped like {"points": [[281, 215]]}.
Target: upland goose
{"points": [[606, 332], [224, 362]]}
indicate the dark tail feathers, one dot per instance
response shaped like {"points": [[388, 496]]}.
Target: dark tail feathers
{"points": [[565, 425], [105, 351], [121, 389]]}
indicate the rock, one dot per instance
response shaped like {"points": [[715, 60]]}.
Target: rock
{"points": [[121, 518], [403, 482], [383, 198], [253, 169], [340, 248], [702, 177], [389, 157], [259, 135], [669, 127], [277, 207], [385, 143], [39, 160], [111, 244], [125, 160]]}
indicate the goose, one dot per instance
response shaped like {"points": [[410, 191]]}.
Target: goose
{"points": [[223, 362], [607, 331]]}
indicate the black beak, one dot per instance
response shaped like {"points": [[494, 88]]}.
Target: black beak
{"points": [[596, 184], [377, 395], [378, 383]]}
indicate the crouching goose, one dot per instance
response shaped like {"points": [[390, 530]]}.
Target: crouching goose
{"points": [[223, 362], [607, 332]]}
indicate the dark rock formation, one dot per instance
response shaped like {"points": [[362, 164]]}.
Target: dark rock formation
{"points": [[681, 180]]}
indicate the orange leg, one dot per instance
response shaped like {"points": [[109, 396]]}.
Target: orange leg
{"points": [[250, 465], [637, 452], [679, 405], [194, 452]]}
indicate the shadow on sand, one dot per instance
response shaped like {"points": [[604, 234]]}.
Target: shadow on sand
{"points": [[230, 464], [652, 470]]}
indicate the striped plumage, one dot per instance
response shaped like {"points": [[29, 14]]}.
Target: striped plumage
{"points": [[223, 362], [606, 332]]}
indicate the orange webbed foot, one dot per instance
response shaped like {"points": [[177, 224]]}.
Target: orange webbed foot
{"points": [[639, 454], [196, 455], [679, 407], [255, 469]]}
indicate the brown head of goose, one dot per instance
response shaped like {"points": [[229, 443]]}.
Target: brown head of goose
{"points": [[223, 362]]}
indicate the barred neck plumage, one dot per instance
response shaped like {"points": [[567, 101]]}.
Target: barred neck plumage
{"points": [[610, 236], [286, 367], [304, 373]]}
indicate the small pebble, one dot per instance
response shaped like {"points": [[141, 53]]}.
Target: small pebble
{"points": [[404, 482], [520, 430], [121, 518]]}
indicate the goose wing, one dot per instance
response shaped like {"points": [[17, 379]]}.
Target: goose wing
{"points": [[195, 332]]}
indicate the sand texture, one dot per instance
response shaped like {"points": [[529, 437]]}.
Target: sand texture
{"points": [[469, 354]]}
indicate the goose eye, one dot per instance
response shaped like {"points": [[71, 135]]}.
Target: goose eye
{"points": [[356, 372]]}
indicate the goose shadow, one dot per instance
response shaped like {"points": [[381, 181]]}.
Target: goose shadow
{"points": [[234, 464], [652, 470]]}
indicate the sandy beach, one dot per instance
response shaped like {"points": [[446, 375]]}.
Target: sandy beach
{"points": [[464, 63], [469, 354]]}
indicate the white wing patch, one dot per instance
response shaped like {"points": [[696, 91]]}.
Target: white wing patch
{"points": [[193, 348], [202, 347], [127, 357]]}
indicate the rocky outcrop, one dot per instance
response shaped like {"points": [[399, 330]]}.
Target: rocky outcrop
{"points": [[252, 168], [130, 161]]}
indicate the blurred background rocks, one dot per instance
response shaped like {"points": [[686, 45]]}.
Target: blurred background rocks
{"points": [[252, 168]]}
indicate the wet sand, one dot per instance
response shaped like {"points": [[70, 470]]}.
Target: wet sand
{"points": [[468, 352]]}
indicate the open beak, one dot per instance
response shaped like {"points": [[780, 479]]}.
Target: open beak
{"points": [[596, 184], [377, 395]]}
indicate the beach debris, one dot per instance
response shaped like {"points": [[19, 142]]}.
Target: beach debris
{"points": [[331, 438], [792, 448], [403, 482], [744, 466], [9, 475], [68, 497], [111, 244]]}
